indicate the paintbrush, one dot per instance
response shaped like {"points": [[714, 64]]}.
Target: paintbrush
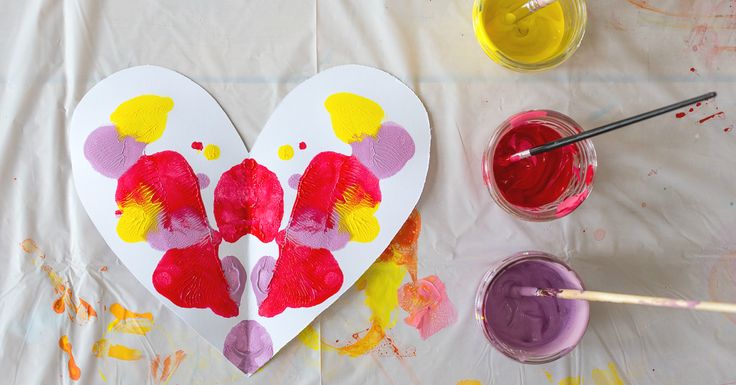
{"points": [[600, 296], [608, 127], [527, 9]]}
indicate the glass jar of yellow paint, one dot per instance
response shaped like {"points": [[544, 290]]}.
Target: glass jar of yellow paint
{"points": [[540, 41]]}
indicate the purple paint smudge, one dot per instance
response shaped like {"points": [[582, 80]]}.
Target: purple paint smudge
{"points": [[294, 181], [110, 155], [235, 276], [184, 229], [260, 277], [203, 180], [388, 152], [248, 346], [308, 231]]}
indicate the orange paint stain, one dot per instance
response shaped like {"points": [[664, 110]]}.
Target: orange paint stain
{"points": [[162, 371], [66, 346], [128, 321], [78, 310], [403, 249]]}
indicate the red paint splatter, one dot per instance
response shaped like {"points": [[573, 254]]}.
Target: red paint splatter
{"points": [[249, 200], [118, 212], [691, 110], [680, 115], [103, 269], [197, 146], [716, 115], [692, 69], [302, 146], [698, 104], [727, 129], [193, 278], [303, 277]]}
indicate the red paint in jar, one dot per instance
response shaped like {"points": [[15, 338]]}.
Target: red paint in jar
{"points": [[538, 180]]}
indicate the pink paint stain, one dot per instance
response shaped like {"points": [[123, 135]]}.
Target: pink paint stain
{"points": [[429, 308], [599, 234]]}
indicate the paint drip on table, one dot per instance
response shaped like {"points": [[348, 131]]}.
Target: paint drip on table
{"points": [[161, 203]]}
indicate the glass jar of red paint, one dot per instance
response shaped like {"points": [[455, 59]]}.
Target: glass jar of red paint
{"points": [[531, 330], [546, 186]]}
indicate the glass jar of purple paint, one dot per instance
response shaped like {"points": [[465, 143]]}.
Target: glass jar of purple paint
{"points": [[531, 330]]}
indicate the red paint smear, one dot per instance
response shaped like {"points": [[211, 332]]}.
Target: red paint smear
{"points": [[303, 277], [302, 146], [324, 183], [716, 115], [727, 129], [698, 104], [118, 212], [197, 146], [680, 115], [691, 110], [249, 200], [190, 277], [692, 69], [538, 180], [193, 278]]}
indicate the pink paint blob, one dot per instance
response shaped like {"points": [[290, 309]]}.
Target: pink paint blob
{"points": [[204, 180], [248, 346], [429, 308], [388, 152], [235, 276], [294, 181], [109, 154], [261, 276], [531, 329]]}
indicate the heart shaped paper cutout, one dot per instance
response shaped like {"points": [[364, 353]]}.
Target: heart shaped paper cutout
{"points": [[249, 248]]}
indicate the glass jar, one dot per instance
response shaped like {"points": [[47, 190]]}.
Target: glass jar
{"points": [[584, 163]]}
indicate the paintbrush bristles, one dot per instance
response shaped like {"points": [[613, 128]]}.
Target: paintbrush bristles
{"points": [[600, 296]]}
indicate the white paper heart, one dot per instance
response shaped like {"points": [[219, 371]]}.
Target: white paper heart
{"points": [[249, 249]]}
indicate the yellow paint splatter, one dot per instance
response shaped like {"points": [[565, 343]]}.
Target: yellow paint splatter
{"points": [[469, 382], [78, 310], [310, 337], [127, 321], [212, 152], [167, 369], [286, 152], [353, 117], [66, 346], [143, 118], [357, 215], [570, 381], [103, 348], [549, 377], [139, 215], [610, 377]]}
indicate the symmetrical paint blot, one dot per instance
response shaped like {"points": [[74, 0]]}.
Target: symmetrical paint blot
{"points": [[261, 276], [248, 346], [77, 309], [249, 200], [74, 372], [159, 202], [162, 371]]}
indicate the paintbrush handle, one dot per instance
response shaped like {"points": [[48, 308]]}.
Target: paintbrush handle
{"points": [[600, 296], [612, 126], [527, 9]]}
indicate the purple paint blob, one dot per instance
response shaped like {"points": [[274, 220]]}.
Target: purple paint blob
{"points": [[294, 181], [110, 155], [235, 276], [203, 180], [388, 152], [260, 277], [183, 228], [248, 346], [307, 230], [533, 329]]}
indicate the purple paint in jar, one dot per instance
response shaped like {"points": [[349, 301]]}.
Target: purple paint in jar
{"points": [[531, 330]]}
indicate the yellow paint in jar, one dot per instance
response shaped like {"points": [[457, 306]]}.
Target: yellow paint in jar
{"points": [[534, 39]]}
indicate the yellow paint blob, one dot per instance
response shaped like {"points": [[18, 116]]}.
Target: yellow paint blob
{"points": [[286, 152], [310, 337], [143, 118], [610, 377], [103, 348], [534, 39], [381, 282], [357, 216], [353, 117], [211, 152], [139, 215], [127, 321]]}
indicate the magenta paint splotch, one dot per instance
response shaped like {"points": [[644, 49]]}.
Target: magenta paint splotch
{"points": [[109, 154], [388, 152], [178, 230], [533, 329], [261, 276], [235, 276], [248, 346]]}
